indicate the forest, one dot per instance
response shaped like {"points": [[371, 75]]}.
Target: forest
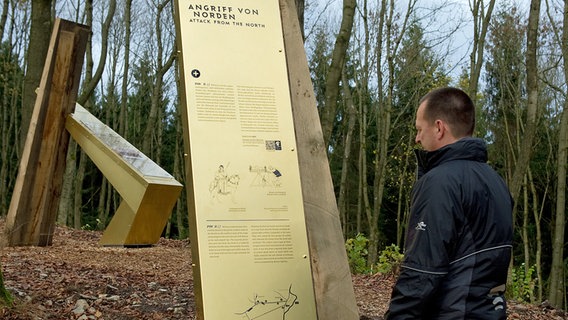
{"points": [[370, 63]]}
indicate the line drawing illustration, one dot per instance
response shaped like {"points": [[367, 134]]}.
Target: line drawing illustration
{"points": [[223, 184], [266, 176], [262, 308]]}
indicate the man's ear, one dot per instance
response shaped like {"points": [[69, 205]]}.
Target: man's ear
{"points": [[440, 128]]}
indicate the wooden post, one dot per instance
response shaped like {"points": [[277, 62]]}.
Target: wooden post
{"points": [[33, 208], [333, 286]]}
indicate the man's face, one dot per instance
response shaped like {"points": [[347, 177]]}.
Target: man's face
{"points": [[426, 132]]}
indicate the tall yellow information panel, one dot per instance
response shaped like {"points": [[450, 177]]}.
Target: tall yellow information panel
{"points": [[248, 233]]}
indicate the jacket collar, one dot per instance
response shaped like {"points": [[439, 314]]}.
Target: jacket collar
{"points": [[473, 149]]}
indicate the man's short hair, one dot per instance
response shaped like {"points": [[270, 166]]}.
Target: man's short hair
{"points": [[454, 107]]}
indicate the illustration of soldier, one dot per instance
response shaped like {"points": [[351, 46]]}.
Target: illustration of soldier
{"points": [[223, 184]]}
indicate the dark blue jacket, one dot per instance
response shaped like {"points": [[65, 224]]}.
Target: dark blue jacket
{"points": [[459, 238]]}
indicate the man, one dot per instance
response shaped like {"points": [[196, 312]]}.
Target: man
{"points": [[458, 244]]}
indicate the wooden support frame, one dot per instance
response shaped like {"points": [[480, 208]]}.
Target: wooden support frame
{"points": [[33, 208], [149, 193], [225, 95]]}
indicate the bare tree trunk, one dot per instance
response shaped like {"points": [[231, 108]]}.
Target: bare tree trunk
{"points": [[91, 83], [372, 217], [363, 200], [403, 201], [5, 126], [532, 102], [4, 163], [329, 111], [178, 173], [480, 26], [76, 195], [179, 161], [111, 119], [556, 293], [40, 34], [8, 140], [101, 208], [525, 229], [159, 137], [557, 286], [162, 68], [537, 214], [363, 205], [111, 203], [4, 17], [383, 120], [123, 123], [351, 120], [66, 200], [77, 201]]}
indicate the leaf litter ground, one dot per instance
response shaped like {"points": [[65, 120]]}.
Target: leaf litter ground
{"points": [[76, 278]]}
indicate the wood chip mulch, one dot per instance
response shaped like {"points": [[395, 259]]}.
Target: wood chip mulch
{"points": [[76, 278]]}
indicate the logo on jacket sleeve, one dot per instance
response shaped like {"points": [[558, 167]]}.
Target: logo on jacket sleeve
{"points": [[421, 226]]}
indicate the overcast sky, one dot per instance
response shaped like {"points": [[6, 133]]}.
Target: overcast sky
{"points": [[449, 20]]}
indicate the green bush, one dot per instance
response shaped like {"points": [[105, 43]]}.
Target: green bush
{"points": [[357, 253], [390, 260], [523, 283], [6, 299]]}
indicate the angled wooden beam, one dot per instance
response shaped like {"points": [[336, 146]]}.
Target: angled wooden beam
{"points": [[333, 286], [149, 193], [33, 208]]}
